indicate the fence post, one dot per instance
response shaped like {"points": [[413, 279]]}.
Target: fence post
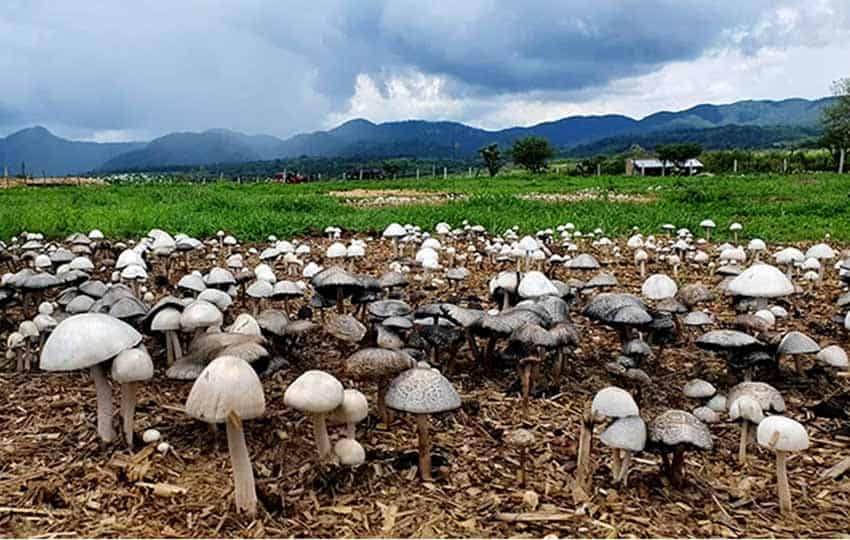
{"points": [[361, 173], [445, 172], [598, 169], [434, 171], [841, 161], [735, 166], [417, 173], [784, 165]]}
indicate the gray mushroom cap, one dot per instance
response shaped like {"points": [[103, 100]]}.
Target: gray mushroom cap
{"points": [[384, 309], [422, 391], [346, 328], [697, 318], [582, 262], [228, 384], [726, 341], [627, 433], [82, 341], [698, 388], [675, 427], [767, 396], [797, 343], [612, 308]]}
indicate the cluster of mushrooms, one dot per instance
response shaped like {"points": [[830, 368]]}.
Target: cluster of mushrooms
{"points": [[225, 317]]}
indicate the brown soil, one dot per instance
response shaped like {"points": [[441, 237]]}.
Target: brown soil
{"points": [[379, 198], [51, 182], [57, 479]]}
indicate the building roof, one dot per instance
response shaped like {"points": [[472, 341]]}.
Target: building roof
{"points": [[653, 163]]}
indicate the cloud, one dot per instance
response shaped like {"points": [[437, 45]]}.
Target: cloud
{"points": [[104, 71]]}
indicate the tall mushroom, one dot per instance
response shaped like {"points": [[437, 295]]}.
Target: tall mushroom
{"points": [[87, 341], [422, 392], [746, 409], [229, 391], [624, 436], [128, 369], [316, 393], [782, 435]]}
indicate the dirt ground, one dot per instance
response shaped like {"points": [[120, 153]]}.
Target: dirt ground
{"points": [[380, 198], [57, 480]]}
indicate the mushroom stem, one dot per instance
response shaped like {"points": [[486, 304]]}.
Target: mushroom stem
{"points": [[616, 464], [423, 424], [523, 456], [128, 410], [104, 404], [677, 467], [583, 476], [351, 430], [176, 350], [782, 482], [320, 434], [623, 474], [526, 385], [385, 415], [244, 492], [742, 446]]}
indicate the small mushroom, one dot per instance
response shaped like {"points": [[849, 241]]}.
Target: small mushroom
{"points": [[316, 393], [128, 369], [625, 436], [675, 431], [349, 452], [746, 409], [353, 409], [782, 435], [521, 439]]}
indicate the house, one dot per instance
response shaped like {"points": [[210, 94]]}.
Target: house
{"points": [[654, 167]]}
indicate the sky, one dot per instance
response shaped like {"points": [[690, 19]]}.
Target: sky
{"points": [[121, 70]]}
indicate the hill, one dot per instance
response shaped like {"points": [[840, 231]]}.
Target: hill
{"points": [[767, 123]]}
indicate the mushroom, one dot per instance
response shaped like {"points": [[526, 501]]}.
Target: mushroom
{"points": [[747, 409], [229, 391], [167, 321], [317, 393], [128, 369], [675, 431], [521, 439], [782, 435], [86, 341], [625, 436], [422, 392], [377, 365], [353, 409], [349, 452], [796, 344], [610, 402]]}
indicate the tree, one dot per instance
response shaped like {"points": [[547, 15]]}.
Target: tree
{"points": [[835, 121], [532, 153], [391, 168], [677, 153], [492, 156]]}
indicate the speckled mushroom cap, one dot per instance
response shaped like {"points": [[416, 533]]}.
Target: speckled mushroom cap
{"points": [[81, 341], [534, 336], [519, 438], [617, 309], [374, 363], [767, 396], [783, 434], [694, 294], [422, 391], [397, 323], [761, 281], [314, 392], [132, 365], [613, 402], [346, 328], [627, 433], [227, 384], [675, 427], [797, 343]]}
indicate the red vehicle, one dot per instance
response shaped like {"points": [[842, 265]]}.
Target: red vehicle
{"points": [[288, 177]]}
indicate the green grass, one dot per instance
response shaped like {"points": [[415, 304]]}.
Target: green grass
{"points": [[773, 207]]}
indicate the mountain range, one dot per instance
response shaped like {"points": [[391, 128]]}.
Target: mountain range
{"points": [[767, 122]]}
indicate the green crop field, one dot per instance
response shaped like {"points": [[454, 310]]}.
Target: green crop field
{"points": [[772, 207]]}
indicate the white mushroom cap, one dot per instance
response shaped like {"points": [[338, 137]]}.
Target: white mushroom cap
{"points": [[627, 433], [314, 392], [132, 365], [613, 402], [166, 319], [698, 388], [535, 284], [659, 287], [792, 436], [354, 408], [833, 356], [747, 407], [394, 230], [336, 250], [349, 452], [228, 384], [767, 316], [200, 314], [84, 340], [761, 281], [245, 324]]}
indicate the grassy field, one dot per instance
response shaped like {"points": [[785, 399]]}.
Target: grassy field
{"points": [[773, 207]]}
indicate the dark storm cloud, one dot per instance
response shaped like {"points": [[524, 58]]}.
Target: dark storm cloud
{"points": [[283, 66]]}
